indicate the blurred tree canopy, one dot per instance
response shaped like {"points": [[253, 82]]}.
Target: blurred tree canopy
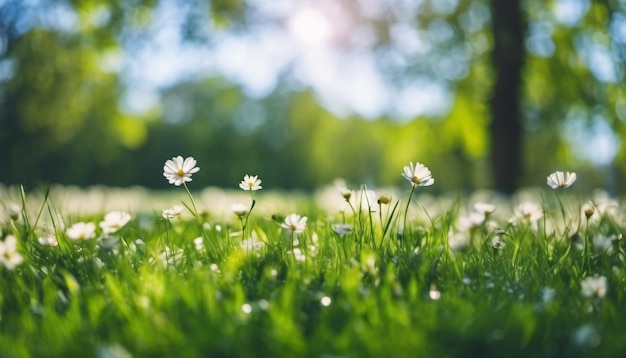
{"points": [[530, 84]]}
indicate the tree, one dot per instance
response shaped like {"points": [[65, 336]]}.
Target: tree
{"points": [[60, 118], [517, 75], [508, 54]]}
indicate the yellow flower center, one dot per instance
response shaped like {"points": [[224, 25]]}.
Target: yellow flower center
{"points": [[416, 180], [180, 172], [292, 227]]}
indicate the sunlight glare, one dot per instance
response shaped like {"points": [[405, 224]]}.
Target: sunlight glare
{"points": [[309, 26]]}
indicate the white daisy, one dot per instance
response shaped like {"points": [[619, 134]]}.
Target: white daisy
{"points": [[295, 223], [595, 286], [497, 243], [561, 180], [178, 171], [418, 174], [173, 212], [114, 221], [9, 257], [240, 210], [250, 182], [81, 231]]}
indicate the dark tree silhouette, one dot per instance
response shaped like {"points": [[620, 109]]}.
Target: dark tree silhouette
{"points": [[508, 55]]}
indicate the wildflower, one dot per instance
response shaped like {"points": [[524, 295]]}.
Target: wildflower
{"points": [[114, 221], [384, 199], [588, 209], [48, 240], [345, 192], [14, 211], [458, 240], [561, 180], [9, 257], [529, 211], [497, 243], [484, 208], [178, 171], [246, 308], [250, 182], [172, 212], [81, 231], [472, 220], [342, 229], [604, 243], [299, 255], [434, 293], [295, 223], [108, 242], [199, 243], [418, 174], [594, 287], [240, 210]]}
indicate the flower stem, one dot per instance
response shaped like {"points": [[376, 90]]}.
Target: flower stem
{"points": [[587, 247], [406, 213], [193, 204], [197, 216], [244, 223], [558, 198], [369, 212], [382, 224]]}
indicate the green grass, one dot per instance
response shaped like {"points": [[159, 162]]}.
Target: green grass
{"points": [[382, 289]]}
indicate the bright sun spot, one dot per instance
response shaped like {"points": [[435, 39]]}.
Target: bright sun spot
{"points": [[309, 27]]}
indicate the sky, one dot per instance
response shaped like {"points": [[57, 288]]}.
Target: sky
{"points": [[344, 84]]}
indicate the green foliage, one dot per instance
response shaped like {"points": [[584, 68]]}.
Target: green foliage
{"points": [[61, 119], [562, 86], [60, 108]]}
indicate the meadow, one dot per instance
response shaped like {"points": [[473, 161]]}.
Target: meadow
{"points": [[340, 272]]}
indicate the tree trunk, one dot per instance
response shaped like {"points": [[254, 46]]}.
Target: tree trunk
{"points": [[508, 55]]}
